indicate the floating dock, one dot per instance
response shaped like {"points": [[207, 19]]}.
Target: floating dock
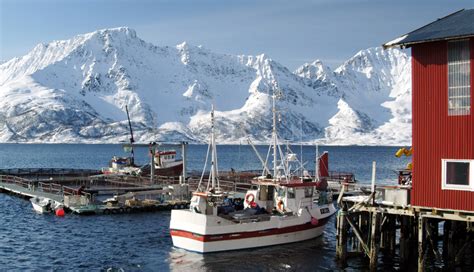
{"points": [[81, 201], [28, 189]]}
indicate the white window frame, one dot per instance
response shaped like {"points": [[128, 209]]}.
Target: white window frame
{"points": [[457, 69], [445, 186]]}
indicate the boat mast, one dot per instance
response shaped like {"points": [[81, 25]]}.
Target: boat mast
{"points": [[131, 135], [213, 152], [274, 135], [316, 166]]}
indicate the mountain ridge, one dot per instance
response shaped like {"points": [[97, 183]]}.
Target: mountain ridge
{"points": [[76, 90]]}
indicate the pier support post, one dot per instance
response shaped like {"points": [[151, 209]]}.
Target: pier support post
{"points": [[404, 238], [361, 228], [432, 235], [393, 234], [341, 246], [421, 250], [374, 235]]}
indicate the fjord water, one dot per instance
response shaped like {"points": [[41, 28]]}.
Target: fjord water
{"points": [[141, 242]]}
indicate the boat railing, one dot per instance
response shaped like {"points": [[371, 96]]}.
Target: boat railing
{"points": [[226, 185]]}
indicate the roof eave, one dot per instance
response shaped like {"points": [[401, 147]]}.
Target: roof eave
{"points": [[410, 44]]}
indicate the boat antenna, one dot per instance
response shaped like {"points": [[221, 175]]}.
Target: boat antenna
{"points": [[131, 135]]}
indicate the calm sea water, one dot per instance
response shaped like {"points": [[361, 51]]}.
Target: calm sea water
{"points": [[141, 242]]}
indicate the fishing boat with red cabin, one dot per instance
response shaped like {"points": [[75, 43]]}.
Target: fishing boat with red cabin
{"points": [[165, 162], [279, 209]]}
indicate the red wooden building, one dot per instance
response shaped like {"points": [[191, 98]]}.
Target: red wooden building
{"points": [[443, 122]]}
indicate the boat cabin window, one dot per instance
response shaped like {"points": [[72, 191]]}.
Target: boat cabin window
{"points": [[270, 194], [457, 174], [308, 191], [281, 192], [291, 192]]}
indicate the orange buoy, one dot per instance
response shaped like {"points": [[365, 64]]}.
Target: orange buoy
{"points": [[60, 212]]}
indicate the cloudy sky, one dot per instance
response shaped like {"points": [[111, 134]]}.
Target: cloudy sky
{"points": [[290, 32]]}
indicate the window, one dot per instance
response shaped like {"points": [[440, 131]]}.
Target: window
{"points": [[291, 192], [457, 175], [308, 191], [459, 78], [281, 192]]}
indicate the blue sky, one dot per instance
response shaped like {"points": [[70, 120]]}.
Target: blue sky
{"points": [[290, 32]]}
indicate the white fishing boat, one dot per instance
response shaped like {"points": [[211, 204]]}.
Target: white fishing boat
{"points": [[280, 209], [44, 205]]}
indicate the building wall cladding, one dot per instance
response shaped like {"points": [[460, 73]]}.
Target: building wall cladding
{"points": [[436, 135]]}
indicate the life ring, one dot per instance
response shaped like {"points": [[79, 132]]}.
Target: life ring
{"points": [[281, 205], [249, 198]]}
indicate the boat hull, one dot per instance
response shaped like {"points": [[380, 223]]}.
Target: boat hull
{"points": [[175, 169], [192, 242], [42, 205], [208, 233], [171, 170], [39, 208]]}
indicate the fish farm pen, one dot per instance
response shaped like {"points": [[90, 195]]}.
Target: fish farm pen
{"points": [[80, 193]]}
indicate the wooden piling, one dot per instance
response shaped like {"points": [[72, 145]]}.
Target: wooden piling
{"points": [[404, 238], [341, 246], [421, 251], [361, 228], [374, 226], [374, 246]]}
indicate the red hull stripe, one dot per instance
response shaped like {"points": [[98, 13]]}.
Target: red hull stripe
{"points": [[167, 153], [244, 235]]}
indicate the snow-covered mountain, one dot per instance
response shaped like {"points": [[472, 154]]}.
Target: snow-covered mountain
{"points": [[76, 91], [374, 91]]}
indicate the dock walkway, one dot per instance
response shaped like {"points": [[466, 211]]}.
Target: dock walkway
{"points": [[26, 192], [29, 189]]}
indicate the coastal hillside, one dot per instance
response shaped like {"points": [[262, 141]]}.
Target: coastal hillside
{"points": [[76, 90]]}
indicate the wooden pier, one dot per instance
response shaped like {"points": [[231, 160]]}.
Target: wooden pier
{"points": [[367, 224]]}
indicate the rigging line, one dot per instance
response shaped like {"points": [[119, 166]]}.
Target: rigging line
{"points": [[265, 168], [282, 162], [266, 159], [205, 165]]}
